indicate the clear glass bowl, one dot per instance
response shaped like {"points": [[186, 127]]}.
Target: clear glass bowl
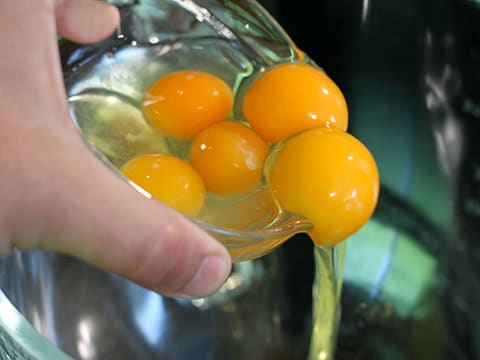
{"points": [[19, 339], [234, 40]]}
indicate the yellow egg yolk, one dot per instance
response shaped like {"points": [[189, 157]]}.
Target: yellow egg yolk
{"points": [[229, 157], [168, 179], [329, 177], [183, 103], [290, 98]]}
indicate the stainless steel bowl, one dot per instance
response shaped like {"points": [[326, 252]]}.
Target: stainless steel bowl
{"points": [[409, 71]]}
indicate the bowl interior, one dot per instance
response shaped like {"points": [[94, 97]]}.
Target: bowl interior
{"points": [[106, 83]]}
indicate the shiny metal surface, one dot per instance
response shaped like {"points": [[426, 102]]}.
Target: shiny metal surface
{"points": [[410, 72], [95, 315]]}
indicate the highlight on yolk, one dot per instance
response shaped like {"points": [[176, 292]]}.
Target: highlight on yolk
{"points": [[168, 179], [329, 177], [183, 103], [290, 98], [229, 157]]}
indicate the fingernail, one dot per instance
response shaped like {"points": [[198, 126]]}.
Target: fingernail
{"points": [[210, 276]]}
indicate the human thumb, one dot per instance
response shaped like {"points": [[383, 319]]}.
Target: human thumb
{"points": [[69, 202]]}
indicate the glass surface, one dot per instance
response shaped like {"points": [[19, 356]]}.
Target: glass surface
{"points": [[19, 339], [106, 83]]}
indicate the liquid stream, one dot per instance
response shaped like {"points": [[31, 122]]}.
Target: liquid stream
{"points": [[327, 290]]}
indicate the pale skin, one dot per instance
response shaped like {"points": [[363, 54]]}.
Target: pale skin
{"points": [[55, 194]]}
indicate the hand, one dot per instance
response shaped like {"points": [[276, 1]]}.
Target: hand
{"points": [[54, 194]]}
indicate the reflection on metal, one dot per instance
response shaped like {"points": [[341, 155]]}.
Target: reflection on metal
{"points": [[446, 126], [365, 11], [98, 315]]}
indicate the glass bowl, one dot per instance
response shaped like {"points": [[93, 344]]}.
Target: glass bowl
{"points": [[234, 40]]}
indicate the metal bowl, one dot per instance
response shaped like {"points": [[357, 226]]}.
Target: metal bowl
{"points": [[409, 71]]}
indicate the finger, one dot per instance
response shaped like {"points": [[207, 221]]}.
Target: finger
{"points": [[79, 207], [85, 21]]}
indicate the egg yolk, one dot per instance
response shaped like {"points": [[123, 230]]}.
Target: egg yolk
{"points": [[183, 103], [229, 157], [290, 98], [329, 177], [168, 179]]}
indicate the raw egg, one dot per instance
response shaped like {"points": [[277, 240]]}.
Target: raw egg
{"points": [[168, 179], [229, 157], [329, 177], [183, 103], [290, 98]]}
